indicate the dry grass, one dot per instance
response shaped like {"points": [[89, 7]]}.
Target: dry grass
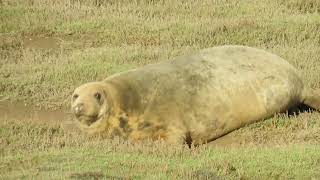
{"points": [[47, 48], [304, 6], [92, 39]]}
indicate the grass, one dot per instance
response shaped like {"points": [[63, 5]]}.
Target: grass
{"points": [[32, 149], [96, 40], [47, 48], [281, 163]]}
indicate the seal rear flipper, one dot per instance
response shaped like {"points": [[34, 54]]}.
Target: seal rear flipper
{"points": [[311, 97]]}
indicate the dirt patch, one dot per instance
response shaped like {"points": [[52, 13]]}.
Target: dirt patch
{"points": [[44, 42], [21, 111], [62, 41], [41, 42], [230, 139]]}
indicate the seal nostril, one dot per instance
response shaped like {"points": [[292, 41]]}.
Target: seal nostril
{"points": [[78, 109]]}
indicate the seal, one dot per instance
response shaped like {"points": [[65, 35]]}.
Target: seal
{"points": [[192, 99]]}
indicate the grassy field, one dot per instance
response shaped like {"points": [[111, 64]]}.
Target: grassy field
{"points": [[47, 48]]}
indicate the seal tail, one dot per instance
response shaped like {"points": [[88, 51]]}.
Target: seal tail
{"points": [[311, 98]]}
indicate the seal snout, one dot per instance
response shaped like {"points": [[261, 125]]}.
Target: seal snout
{"points": [[78, 109]]}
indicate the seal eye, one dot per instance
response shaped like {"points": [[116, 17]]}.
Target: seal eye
{"points": [[75, 96], [97, 96]]}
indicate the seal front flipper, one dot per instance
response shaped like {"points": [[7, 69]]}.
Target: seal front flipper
{"points": [[311, 97]]}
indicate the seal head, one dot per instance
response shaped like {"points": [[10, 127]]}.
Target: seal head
{"points": [[89, 103]]}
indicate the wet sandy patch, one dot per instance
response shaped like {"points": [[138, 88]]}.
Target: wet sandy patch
{"points": [[41, 42], [21, 112]]}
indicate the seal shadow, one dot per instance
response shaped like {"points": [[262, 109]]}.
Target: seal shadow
{"points": [[298, 109]]}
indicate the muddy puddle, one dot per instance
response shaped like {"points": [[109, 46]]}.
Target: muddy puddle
{"points": [[41, 42], [52, 42], [20, 111], [234, 140]]}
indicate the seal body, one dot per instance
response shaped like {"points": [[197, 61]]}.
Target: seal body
{"points": [[193, 99]]}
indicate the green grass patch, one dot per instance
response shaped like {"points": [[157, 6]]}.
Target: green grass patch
{"points": [[293, 162]]}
